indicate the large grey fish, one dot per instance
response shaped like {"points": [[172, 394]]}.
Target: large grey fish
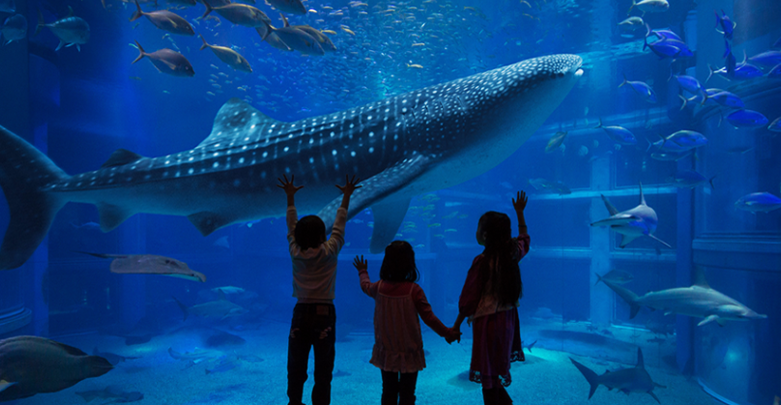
{"points": [[14, 28], [150, 264], [240, 14], [229, 56], [297, 39], [273, 39], [632, 224], [115, 394], [699, 300], [220, 308], [626, 380], [165, 20], [166, 61], [404, 146], [71, 30], [32, 365], [616, 276], [288, 6]]}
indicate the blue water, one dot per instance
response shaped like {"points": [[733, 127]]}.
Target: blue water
{"points": [[80, 106]]}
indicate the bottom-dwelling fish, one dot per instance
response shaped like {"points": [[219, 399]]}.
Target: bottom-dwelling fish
{"points": [[150, 264], [626, 380]]}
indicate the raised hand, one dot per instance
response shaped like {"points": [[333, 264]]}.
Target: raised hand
{"points": [[350, 185], [288, 186], [360, 263], [520, 203]]}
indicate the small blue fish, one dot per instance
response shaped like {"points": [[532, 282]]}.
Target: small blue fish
{"points": [[775, 126], [727, 26], [688, 139], [767, 59], [727, 99], [759, 202], [14, 29], [688, 83], [70, 30], [747, 119], [642, 89], [666, 34], [618, 134], [690, 178], [668, 46]]}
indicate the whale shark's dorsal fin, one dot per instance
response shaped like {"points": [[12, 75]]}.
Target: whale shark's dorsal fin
{"points": [[642, 197], [236, 118], [121, 157], [699, 277], [640, 362]]}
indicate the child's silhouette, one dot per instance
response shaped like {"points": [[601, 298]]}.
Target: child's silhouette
{"points": [[398, 345], [314, 277]]}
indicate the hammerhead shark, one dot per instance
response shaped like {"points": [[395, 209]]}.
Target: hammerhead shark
{"points": [[403, 146], [626, 380], [698, 300], [632, 224]]}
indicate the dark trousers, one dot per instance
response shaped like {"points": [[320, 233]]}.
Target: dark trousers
{"points": [[398, 388], [313, 325]]}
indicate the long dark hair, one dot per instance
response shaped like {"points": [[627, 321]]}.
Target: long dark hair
{"points": [[498, 260], [310, 232], [399, 262]]}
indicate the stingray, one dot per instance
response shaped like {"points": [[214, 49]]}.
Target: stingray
{"points": [[150, 264]]}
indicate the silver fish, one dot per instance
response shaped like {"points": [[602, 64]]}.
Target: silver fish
{"points": [[229, 56], [165, 20], [71, 30], [14, 29], [167, 61]]}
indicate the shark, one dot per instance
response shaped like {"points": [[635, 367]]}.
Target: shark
{"points": [[402, 146], [626, 380], [632, 224], [698, 300]]}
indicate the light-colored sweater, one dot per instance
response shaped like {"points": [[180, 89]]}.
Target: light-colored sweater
{"points": [[314, 269]]}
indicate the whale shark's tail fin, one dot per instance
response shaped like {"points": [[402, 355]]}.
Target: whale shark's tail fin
{"points": [[628, 296], [24, 174]]}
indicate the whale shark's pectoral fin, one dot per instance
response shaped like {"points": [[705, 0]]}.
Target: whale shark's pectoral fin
{"points": [[627, 239], [111, 216], [711, 318], [373, 192], [208, 222], [659, 240], [388, 216], [617, 219]]}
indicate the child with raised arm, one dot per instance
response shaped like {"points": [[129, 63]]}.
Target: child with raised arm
{"points": [[398, 345], [489, 299], [314, 278]]}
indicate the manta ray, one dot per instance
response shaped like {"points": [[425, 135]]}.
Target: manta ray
{"points": [[403, 146]]}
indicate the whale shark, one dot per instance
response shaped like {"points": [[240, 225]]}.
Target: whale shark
{"points": [[403, 146], [632, 224], [699, 300]]}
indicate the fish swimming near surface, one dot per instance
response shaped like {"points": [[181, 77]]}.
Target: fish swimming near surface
{"points": [[113, 358], [229, 56], [699, 301], [404, 146], [115, 394], [626, 380], [32, 365], [166, 61], [650, 6], [150, 264], [220, 308], [70, 30], [288, 6], [165, 20], [632, 224], [758, 202], [616, 276], [14, 29]]}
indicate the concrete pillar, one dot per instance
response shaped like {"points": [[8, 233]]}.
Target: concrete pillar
{"points": [[602, 300]]}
